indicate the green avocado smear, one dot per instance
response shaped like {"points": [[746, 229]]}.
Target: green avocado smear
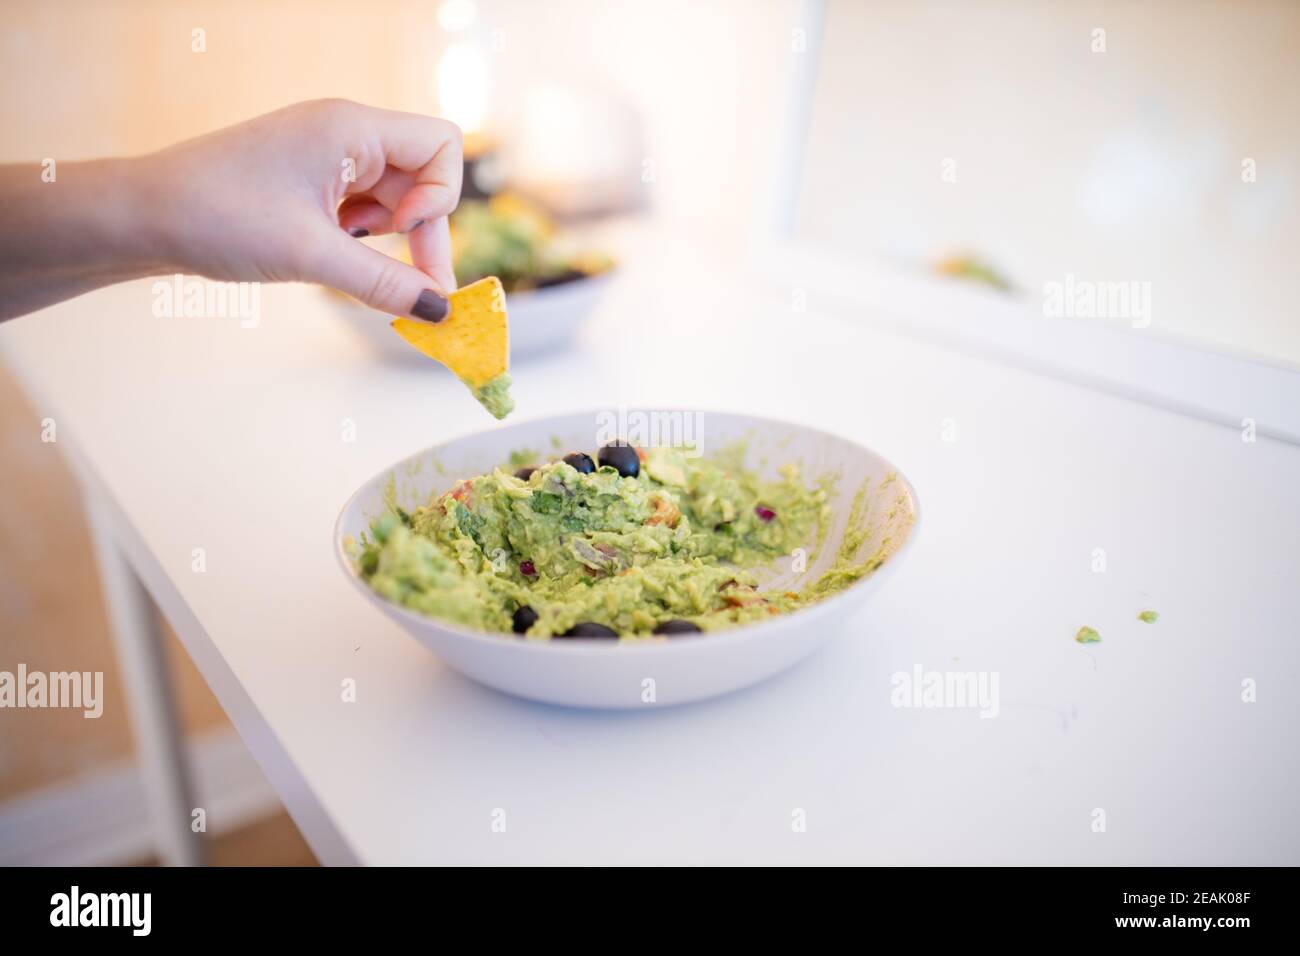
{"points": [[494, 395], [674, 542]]}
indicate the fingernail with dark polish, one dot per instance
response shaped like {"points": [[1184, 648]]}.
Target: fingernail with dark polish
{"points": [[430, 306], [416, 225], [358, 233]]}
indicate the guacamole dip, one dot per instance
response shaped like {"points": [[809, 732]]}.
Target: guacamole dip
{"points": [[495, 396], [628, 545]]}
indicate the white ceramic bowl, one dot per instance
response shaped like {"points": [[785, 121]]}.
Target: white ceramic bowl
{"points": [[594, 673]]}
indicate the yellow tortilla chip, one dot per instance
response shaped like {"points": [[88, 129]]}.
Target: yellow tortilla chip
{"points": [[473, 340]]}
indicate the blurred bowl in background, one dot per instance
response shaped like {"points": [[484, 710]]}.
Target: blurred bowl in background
{"points": [[541, 320], [551, 281], [547, 318]]}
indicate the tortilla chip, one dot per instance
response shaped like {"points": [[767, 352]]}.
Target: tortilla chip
{"points": [[473, 340]]}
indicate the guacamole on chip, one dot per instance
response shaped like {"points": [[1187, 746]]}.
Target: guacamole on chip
{"points": [[473, 341]]}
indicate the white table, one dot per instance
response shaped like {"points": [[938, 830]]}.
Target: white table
{"points": [[198, 433]]}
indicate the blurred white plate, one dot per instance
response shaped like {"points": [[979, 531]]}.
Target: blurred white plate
{"points": [[607, 674]]}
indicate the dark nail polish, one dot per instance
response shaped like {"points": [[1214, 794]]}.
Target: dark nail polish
{"points": [[358, 233], [415, 225], [430, 306]]}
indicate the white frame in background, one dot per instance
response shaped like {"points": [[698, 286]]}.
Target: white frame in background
{"points": [[1140, 365]]}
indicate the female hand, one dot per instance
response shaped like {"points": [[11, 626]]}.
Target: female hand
{"points": [[278, 198]]}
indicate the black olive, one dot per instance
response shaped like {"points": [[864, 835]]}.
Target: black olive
{"points": [[588, 629], [677, 626], [525, 617], [523, 474], [622, 457], [580, 462]]}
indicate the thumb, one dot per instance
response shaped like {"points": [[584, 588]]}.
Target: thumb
{"points": [[380, 281]]}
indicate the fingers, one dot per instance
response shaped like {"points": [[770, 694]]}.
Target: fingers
{"points": [[431, 252], [431, 149], [424, 203], [388, 190], [379, 281], [416, 192], [430, 243], [362, 216]]}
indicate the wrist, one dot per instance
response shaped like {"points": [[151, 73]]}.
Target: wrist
{"points": [[127, 219]]}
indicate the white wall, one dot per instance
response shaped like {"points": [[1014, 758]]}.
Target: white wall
{"points": [[92, 77], [1111, 166]]}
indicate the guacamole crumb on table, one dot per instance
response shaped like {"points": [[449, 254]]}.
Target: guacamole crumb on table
{"points": [[630, 544]]}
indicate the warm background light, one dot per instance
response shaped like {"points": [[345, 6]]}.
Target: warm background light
{"points": [[463, 86]]}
